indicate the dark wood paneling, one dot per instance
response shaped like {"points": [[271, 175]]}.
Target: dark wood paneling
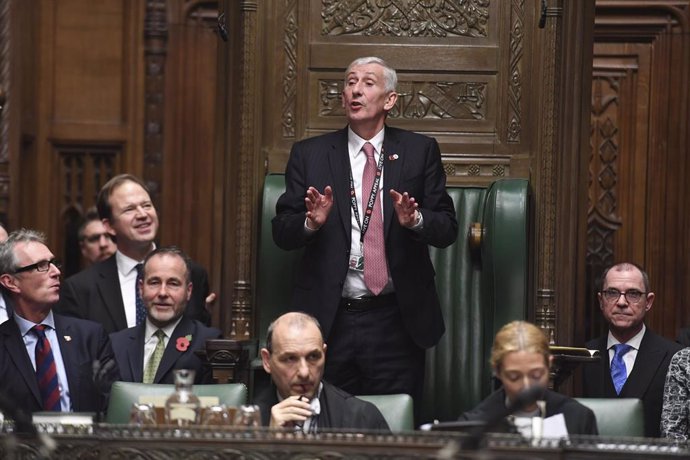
{"points": [[639, 168]]}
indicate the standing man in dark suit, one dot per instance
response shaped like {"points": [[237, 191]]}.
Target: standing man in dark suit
{"points": [[167, 340], [634, 360], [294, 356], [47, 361], [365, 202], [106, 291]]}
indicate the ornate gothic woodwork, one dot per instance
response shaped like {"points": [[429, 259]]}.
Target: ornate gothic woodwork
{"points": [[639, 167], [6, 90], [84, 170], [155, 50], [404, 18]]}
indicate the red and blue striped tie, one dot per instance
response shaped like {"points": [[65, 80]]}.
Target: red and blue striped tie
{"points": [[46, 371]]}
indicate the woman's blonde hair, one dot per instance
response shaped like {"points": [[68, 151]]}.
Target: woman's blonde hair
{"points": [[519, 336]]}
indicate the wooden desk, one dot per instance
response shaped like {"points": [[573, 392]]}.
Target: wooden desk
{"points": [[124, 442]]}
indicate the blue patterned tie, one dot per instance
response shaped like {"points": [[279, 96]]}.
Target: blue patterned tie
{"points": [[141, 310], [619, 373], [46, 371]]}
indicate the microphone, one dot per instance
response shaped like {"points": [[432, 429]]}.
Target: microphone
{"points": [[525, 398], [102, 380]]}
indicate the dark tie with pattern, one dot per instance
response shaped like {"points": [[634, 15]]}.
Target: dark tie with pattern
{"points": [[46, 371], [619, 373], [375, 265], [141, 310]]}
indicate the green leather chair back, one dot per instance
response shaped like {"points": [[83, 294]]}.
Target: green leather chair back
{"points": [[275, 266], [479, 293], [617, 416], [398, 410], [124, 394]]}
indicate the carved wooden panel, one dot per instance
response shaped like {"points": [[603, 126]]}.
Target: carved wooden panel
{"points": [[638, 170], [75, 77], [83, 169], [461, 67]]}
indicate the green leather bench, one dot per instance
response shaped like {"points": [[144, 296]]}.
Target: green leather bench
{"points": [[397, 409], [124, 394], [617, 416], [480, 290]]}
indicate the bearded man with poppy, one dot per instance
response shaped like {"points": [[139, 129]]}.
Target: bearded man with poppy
{"points": [[167, 340]]}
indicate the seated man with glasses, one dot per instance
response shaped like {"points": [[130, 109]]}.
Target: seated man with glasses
{"points": [[634, 360], [48, 362]]}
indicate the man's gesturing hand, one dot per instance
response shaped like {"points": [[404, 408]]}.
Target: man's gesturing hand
{"points": [[318, 206]]}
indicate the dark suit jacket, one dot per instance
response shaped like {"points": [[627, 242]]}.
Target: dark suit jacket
{"points": [[412, 163], [684, 337], [95, 294], [87, 343], [578, 418], [339, 410], [129, 352], [646, 381]]}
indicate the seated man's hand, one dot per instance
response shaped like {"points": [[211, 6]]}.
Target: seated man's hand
{"points": [[290, 412]]}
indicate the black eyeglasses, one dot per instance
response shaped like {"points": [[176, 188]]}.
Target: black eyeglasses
{"points": [[40, 266], [632, 295], [96, 237]]}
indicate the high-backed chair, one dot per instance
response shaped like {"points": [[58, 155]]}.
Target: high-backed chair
{"points": [[124, 394], [617, 416], [480, 289], [397, 409]]}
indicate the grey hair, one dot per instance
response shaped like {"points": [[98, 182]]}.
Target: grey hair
{"points": [[8, 260], [390, 77]]}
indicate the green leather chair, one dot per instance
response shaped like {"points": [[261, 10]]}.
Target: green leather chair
{"points": [[398, 410], [479, 290], [124, 394], [617, 416]]}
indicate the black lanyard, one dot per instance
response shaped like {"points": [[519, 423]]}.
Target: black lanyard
{"points": [[364, 225]]}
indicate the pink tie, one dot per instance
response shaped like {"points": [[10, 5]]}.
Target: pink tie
{"points": [[375, 266]]}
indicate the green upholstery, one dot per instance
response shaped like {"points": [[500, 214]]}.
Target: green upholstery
{"points": [[479, 293], [124, 394], [617, 416], [396, 409], [275, 265]]}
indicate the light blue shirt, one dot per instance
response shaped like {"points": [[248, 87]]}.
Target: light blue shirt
{"points": [[30, 341]]}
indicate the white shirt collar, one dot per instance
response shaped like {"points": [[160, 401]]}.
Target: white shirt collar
{"points": [[634, 342], [355, 143], [151, 329], [25, 325], [125, 264]]}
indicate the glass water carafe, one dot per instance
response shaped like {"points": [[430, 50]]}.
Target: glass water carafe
{"points": [[183, 407]]}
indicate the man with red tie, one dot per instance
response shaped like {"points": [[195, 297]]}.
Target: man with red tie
{"points": [[48, 362], [365, 203]]}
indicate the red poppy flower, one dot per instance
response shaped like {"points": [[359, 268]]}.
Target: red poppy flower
{"points": [[182, 344]]}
